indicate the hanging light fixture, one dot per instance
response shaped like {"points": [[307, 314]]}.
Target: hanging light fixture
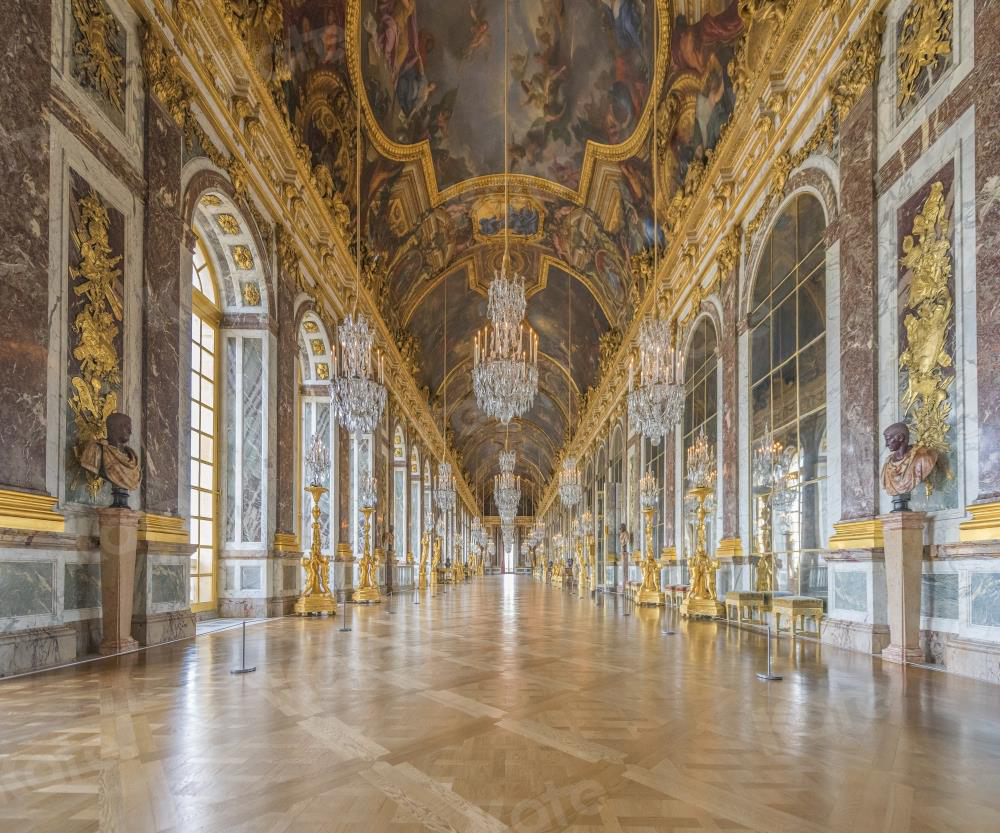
{"points": [[357, 396], [570, 487], [657, 404], [505, 354], [444, 489]]}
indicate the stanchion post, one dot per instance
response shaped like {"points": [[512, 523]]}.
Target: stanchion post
{"points": [[243, 655], [767, 676]]}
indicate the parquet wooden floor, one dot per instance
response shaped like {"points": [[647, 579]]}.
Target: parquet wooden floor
{"points": [[501, 705]]}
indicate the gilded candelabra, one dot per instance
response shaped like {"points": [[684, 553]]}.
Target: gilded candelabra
{"points": [[316, 597], [764, 582], [701, 598], [435, 561], [367, 589]]}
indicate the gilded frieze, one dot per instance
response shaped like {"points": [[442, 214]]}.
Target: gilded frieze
{"points": [[96, 315]]}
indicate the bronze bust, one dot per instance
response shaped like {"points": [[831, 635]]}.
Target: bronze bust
{"points": [[112, 459], [906, 466]]}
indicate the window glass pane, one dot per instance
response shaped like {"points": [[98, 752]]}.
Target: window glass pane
{"points": [[760, 350], [783, 332], [811, 223], [711, 393], [783, 395], [812, 441], [812, 306], [812, 377], [760, 408], [783, 247], [762, 284]]}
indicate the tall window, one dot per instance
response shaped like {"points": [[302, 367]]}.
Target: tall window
{"points": [[399, 494], [615, 498], [788, 398], [205, 318], [701, 386], [415, 503]]}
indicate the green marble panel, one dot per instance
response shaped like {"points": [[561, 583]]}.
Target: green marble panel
{"points": [[83, 586], [27, 588]]}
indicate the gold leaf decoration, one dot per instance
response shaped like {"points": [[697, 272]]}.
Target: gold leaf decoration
{"points": [[924, 39], [211, 201], [96, 327], [164, 77], [251, 292], [98, 61], [242, 257], [310, 326], [928, 322], [228, 223], [318, 347], [322, 370]]}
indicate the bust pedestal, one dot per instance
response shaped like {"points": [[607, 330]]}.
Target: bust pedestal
{"points": [[119, 530], [904, 551]]}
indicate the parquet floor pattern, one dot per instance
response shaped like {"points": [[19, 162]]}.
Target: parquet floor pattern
{"points": [[501, 705]]}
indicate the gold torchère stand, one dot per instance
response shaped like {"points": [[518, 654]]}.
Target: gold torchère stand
{"points": [[435, 561], [649, 592], [316, 597], [592, 560], [701, 598], [764, 582], [422, 568], [367, 589]]}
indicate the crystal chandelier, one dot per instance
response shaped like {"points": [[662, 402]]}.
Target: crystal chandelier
{"points": [[444, 489], [505, 356], [570, 488], [657, 403], [368, 491], [507, 487], [701, 463], [358, 399]]}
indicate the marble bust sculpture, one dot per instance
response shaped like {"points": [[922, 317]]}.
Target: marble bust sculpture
{"points": [[112, 459], [906, 466]]}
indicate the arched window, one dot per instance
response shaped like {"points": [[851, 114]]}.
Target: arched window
{"points": [[399, 492], [701, 386], [205, 319], [788, 398]]}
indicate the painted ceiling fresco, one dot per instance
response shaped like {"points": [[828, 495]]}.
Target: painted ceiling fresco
{"points": [[580, 90], [579, 71]]}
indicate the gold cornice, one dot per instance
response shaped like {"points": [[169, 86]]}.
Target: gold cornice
{"points": [[25, 510], [165, 528], [420, 152], [709, 224]]}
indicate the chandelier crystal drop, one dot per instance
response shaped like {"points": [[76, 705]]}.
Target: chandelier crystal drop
{"points": [[358, 398], [444, 490], [570, 488], [657, 404]]}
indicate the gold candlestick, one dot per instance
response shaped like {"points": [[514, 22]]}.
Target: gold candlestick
{"points": [[592, 560], [765, 557], [436, 561], [649, 593], [701, 598], [316, 597], [367, 590]]}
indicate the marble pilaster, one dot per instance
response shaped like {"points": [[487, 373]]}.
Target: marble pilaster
{"points": [[729, 407], [859, 446], [24, 240], [164, 385], [286, 457], [987, 74]]}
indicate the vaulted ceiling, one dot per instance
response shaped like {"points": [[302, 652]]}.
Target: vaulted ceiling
{"points": [[580, 109]]}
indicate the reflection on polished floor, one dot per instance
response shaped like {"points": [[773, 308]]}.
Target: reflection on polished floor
{"points": [[499, 705]]}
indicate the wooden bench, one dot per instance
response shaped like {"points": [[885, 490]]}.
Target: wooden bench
{"points": [[796, 608], [750, 605]]}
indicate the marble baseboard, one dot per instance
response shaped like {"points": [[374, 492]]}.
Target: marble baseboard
{"points": [[37, 648], [88, 635], [854, 636], [155, 628], [971, 658]]}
